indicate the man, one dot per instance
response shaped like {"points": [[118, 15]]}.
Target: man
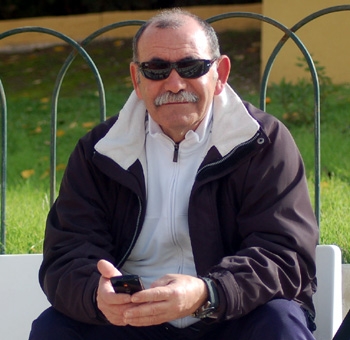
{"points": [[201, 195]]}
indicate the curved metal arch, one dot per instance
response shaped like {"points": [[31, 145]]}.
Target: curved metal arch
{"points": [[317, 14], [86, 57], [284, 39], [3, 145], [84, 43], [290, 34], [58, 84], [110, 27], [317, 118]]}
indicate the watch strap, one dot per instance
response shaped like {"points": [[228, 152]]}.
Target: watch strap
{"points": [[211, 305]]}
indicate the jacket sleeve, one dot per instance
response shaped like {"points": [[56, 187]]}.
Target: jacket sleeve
{"points": [[277, 230], [77, 236]]}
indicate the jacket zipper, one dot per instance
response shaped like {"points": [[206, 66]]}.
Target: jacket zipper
{"points": [[176, 152], [175, 159]]}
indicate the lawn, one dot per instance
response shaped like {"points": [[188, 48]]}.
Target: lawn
{"points": [[28, 79]]}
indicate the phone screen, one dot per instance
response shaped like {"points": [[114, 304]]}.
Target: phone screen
{"points": [[127, 284]]}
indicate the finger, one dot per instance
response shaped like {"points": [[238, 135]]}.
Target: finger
{"points": [[115, 313], [146, 315], [145, 321], [156, 294], [107, 269]]}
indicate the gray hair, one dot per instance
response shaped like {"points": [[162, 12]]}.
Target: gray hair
{"points": [[174, 18]]}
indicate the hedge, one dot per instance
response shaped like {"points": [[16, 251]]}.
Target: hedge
{"points": [[14, 9]]}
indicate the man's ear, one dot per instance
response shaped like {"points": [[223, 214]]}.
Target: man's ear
{"points": [[135, 77], [223, 69]]}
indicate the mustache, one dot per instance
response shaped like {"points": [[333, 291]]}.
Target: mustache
{"points": [[180, 97]]}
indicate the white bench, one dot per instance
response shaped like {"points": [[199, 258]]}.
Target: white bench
{"points": [[328, 298], [22, 300]]}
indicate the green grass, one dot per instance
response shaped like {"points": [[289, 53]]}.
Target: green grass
{"points": [[335, 214], [26, 211], [28, 93], [335, 146]]}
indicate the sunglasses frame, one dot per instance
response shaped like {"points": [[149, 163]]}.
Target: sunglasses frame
{"points": [[203, 66]]}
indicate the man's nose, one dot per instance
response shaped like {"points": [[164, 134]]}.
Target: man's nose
{"points": [[175, 82]]}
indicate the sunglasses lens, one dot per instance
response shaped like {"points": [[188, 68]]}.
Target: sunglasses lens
{"points": [[156, 70], [190, 69]]}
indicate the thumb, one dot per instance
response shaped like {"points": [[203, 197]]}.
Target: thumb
{"points": [[107, 269]]}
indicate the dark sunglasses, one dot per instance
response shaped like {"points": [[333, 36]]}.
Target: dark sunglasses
{"points": [[190, 69]]}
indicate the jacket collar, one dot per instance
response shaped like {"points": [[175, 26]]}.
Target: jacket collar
{"points": [[124, 142]]}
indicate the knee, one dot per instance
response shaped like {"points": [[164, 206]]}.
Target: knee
{"points": [[282, 313], [279, 319], [51, 325]]}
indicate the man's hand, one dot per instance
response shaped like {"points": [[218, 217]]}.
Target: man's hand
{"points": [[171, 297], [112, 305]]}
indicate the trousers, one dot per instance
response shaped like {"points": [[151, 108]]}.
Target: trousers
{"points": [[276, 320]]}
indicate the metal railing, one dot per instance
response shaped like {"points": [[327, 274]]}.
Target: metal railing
{"points": [[79, 48]]}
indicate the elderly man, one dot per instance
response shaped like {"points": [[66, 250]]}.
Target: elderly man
{"points": [[200, 194]]}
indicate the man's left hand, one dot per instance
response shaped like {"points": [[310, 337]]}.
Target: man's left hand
{"points": [[171, 297]]}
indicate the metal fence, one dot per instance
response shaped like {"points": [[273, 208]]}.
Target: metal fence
{"points": [[79, 48]]}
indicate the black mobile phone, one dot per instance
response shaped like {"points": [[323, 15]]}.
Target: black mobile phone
{"points": [[127, 284]]}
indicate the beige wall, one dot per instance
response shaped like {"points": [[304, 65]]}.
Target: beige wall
{"points": [[326, 38], [80, 26]]}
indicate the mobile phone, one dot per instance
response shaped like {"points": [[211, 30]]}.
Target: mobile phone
{"points": [[127, 284]]}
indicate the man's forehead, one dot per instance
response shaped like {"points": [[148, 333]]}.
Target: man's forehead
{"points": [[170, 52], [189, 33], [176, 24]]}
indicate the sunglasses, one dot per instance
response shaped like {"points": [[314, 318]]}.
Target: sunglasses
{"points": [[189, 69]]}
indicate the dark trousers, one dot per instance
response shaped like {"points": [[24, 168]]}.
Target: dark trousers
{"points": [[277, 320]]}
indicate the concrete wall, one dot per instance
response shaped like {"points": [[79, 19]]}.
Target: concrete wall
{"points": [[326, 38], [80, 26]]}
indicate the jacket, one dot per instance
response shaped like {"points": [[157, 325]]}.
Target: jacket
{"points": [[251, 223]]}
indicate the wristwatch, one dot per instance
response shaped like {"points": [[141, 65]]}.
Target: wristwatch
{"points": [[211, 305]]}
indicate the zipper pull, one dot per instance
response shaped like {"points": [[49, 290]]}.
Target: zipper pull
{"points": [[176, 152]]}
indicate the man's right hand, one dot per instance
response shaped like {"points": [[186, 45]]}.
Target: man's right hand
{"points": [[112, 305]]}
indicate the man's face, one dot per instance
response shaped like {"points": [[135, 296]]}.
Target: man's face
{"points": [[185, 42]]}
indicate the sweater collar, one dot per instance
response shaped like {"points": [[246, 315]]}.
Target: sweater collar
{"points": [[124, 142], [198, 135]]}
